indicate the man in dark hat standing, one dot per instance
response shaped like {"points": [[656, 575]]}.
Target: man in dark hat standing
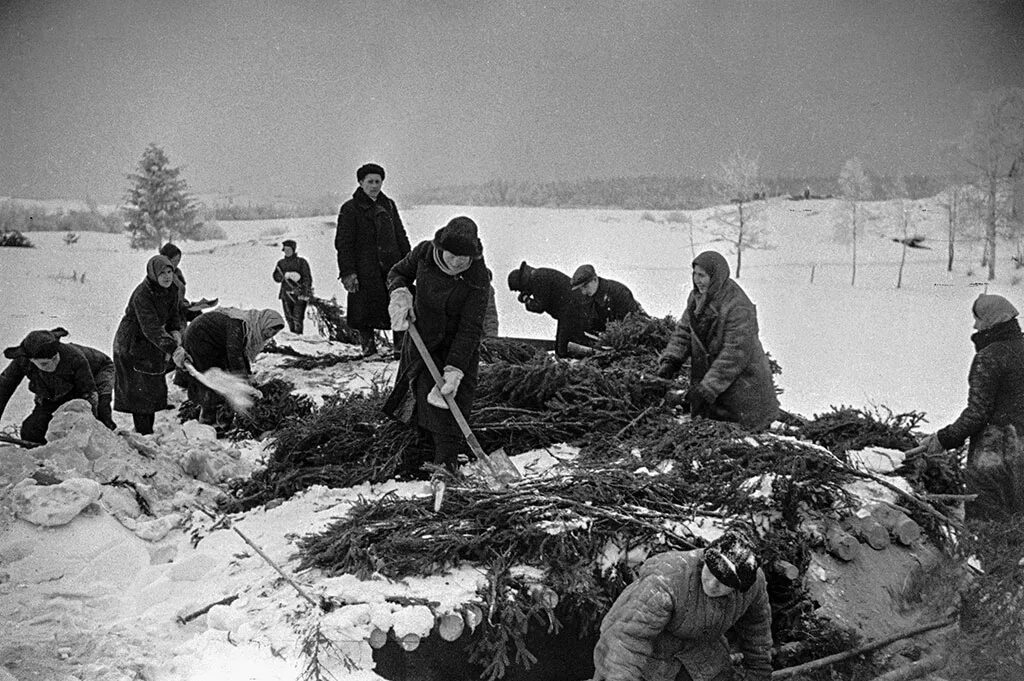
{"points": [[546, 290], [57, 373], [610, 300], [292, 272], [370, 239]]}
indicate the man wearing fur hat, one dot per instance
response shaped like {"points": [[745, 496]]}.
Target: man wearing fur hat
{"points": [[610, 300], [370, 239], [993, 420], [546, 290], [57, 373], [670, 624]]}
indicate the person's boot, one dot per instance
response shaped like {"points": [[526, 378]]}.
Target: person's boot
{"points": [[368, 340]]}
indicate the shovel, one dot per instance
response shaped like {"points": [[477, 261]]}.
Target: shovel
{"points": [[496, 467]]}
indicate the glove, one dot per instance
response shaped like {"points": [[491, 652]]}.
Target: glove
{"points": [[400, 309], [534, 305], [350, 282], [452, 379], [180, 357], [434, 398], [668, 368], [700, 399], [292, 276]]}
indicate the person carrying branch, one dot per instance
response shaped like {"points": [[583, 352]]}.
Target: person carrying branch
{"points": [[450, 282], [369, 240], [546, 290], [730, 376], [57, 373], [671, 623], [149, 334], [229, 339], [296, 280], [993, 420]]}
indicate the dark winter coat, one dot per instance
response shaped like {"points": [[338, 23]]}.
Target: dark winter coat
{"points": [[719, 335], [217, 340], [142, 346], [611, 303], [72, 379], [996, 387], [449, 317], [370, 239], [546, 290], [664, 621], [291, 290]]}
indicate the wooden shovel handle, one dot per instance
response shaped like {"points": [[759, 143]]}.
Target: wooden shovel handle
{"points": [[474, 444]]}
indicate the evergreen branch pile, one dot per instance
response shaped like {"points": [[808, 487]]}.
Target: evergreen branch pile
{"points": [[274, 409], [330, 320], [848, 428], [507, 350]]}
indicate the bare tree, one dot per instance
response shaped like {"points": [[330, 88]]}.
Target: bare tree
{"points": [[738, 183], [854, 186], [992, 143]]}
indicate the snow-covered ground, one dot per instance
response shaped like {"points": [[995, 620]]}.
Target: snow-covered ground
{"points": [[91, 598]]}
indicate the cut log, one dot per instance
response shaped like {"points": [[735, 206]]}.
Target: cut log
{"points": [[409, 642], [841, 544], [869, 531], [906, 531], [378, 637], [450, 626], [788, 570], [545, 596]]}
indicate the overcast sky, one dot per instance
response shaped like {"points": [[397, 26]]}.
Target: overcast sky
{"points": [[288, 98]]}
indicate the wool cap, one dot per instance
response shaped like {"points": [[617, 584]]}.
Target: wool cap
{"points": [[730, 558], [583, 275], [169, 250], [517, 277], [36, 345], [459, 237], [369, 169], [990, 310], [288, 243]]}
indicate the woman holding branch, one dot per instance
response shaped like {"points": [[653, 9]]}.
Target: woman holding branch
{"points": [[450, 282]]}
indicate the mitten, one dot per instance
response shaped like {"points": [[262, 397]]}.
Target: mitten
{"points": [[180, 357], [350, 282], [452, 379], [534, 305], [400, 309], [700, 399], [435, 398], [292, 276]]}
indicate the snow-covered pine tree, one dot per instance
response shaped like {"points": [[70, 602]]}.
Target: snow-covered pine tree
{"points": [[158, 207]]}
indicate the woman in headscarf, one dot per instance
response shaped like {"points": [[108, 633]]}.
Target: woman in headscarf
{"points": [[730, 377], [451, 283], [994, 418], [228, 338], [149, 334], [671, 623], [173, 254], [57, 373]]}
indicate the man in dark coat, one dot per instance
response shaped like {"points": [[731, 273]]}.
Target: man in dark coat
{"points": [[451, 283], [292, 272], [57, 373], [730, 376], [546, 290], [993, 420], [671, 624], [149, 334], [370, 240], [610, 300]]}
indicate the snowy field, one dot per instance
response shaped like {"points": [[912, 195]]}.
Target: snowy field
{"points": [[867, 345]]}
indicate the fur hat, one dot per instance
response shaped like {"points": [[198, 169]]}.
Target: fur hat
{"points": [[369, 169], [288, 243], [37, 345], [582, 276], [730, 558], [169, 250], [459, 237]]}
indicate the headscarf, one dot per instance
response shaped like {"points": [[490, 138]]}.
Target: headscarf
{"points": [[260, 326], [990, 310], [730, 558], [715, 265], [156, 265]]}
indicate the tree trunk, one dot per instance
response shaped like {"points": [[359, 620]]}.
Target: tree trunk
{"points": [[953, 208], [990, 228], [739, 244], [903, 260]]}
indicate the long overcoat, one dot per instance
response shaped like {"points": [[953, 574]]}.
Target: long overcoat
{"points": [[142, 345], [369, 240], [664, 621], [726, 357], [449, 317]]}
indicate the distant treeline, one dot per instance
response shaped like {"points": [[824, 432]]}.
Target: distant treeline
{"points": [[21, 218], [277, 210], [655, 193]]}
